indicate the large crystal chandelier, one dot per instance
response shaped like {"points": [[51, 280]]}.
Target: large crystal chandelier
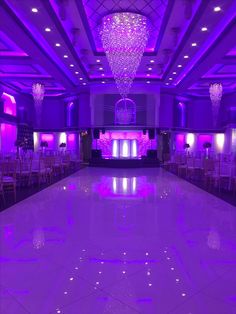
{"points": [[215, 91], [124, 36]]}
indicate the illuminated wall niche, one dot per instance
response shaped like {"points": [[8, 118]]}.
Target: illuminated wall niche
{"points": [[9, 104]]}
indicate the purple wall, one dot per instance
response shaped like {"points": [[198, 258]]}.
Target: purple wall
{"points": [[166, 110], [25, 109], [199, 113], [84, 110], [53, 113]]}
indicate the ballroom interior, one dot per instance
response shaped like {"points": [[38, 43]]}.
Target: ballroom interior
{"points": [[118, 156]]}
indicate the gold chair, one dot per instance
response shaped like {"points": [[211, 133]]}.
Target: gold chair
{"points": [[2, 190], [8, 169], [25, 173], [39, 170]]}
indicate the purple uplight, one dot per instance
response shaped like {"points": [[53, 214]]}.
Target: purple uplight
{"points": [[180, 140], [49, 138], [71, 141], [8, 137]]}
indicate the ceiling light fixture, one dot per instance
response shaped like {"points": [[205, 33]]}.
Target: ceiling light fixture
{"points": [[148, 74], [148, 82], [217, 9], [204, 29], [179, 65], [81, 79], [76, 72], [150, 69], [152, 61], [71, 65], [174, 73], [194, 44], [186, 57], [127, 32], [85, 84], [34, 10], [103, 82], [102, 74], [65, 56], [47, 29], [100, 69], [170, 78], [38, 91], [98, 60], [57, 44], [215, 91]]}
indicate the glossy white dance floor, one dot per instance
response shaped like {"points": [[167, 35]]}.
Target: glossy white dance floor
{"points": [[115, 241]]}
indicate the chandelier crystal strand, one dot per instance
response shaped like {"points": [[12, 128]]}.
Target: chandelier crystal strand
{"points": [[124, 36], [38, 91], [215, 91]]}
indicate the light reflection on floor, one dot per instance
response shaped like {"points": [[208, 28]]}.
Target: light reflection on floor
{"points": [[119, 241]]}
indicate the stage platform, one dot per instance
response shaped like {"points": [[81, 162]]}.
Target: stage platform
{"points": [[124, 163]]}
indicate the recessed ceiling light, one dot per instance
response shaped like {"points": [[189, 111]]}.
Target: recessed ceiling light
{"points": [[217, 9], [71, 65], [81, 79], [148, 74], [103, 74], [186, 57], [65, 56], [34, 10], [103, 82], [152, 61], [148, 82], [98, 60], [47, 29], [170, 78], [204, 29], [149, 69], [167, 83], [84, 83], [57, 44], [100, 69], [179, 65], [194, 44], [174, 72], [76, 72]]}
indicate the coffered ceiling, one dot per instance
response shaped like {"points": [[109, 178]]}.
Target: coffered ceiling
{"points": [[192, 43]]}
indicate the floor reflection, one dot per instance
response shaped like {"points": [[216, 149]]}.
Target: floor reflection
{"points": [[118, 241]]}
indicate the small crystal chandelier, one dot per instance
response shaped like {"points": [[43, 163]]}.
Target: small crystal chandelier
{"points": [[38, 93], [215, 91], [124, 36]]}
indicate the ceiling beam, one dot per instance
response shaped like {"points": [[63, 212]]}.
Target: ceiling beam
{"points": [[13, 28], [212, 56]]}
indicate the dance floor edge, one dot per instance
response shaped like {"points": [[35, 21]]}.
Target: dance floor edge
{"points": [[119, 241]]}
